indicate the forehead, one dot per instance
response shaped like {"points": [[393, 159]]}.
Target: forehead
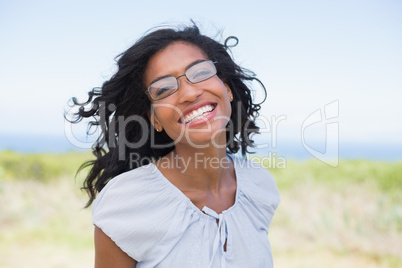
{"points": [[172, 60]]}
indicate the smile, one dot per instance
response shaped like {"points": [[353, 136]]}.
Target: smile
{"points": [[198, 114]]}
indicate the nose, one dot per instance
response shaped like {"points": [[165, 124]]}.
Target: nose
{"points": [[188, 91]]}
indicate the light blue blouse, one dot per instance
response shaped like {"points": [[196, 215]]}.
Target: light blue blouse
{"points": [[156, 224]]}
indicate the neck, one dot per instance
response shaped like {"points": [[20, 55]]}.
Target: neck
{"points": [[200, 168]]}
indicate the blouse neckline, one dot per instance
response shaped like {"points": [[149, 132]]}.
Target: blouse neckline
{"points": [[186, 199]]}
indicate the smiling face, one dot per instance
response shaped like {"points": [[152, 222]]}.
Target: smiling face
{"points": [[196, 113]]}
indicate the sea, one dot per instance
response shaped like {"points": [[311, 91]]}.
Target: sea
{"points": [[290, 149]]}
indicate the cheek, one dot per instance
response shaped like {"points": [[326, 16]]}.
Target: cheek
{"points": [[166, 113], [168, 118]]}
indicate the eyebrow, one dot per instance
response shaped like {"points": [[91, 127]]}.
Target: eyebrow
{"points": [[187, 67]]}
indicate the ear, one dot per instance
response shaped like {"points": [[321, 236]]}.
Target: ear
{"points": [[229, 92], [155, 121]]}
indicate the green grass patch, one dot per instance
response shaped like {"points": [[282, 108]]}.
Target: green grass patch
{"points": [[386, 176], [40, 167]]}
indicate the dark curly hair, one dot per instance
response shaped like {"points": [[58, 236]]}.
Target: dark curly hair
{"points": [[122, 97]]}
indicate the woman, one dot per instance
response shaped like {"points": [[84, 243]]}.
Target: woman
{"points": [[168, 190]]}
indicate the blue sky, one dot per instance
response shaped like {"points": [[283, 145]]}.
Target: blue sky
{"points": [[307, 53]]}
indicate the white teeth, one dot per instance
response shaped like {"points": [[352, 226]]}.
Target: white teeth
{"points": [[198, 114]]}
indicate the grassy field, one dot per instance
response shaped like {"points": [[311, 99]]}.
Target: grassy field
{"points": [[348, 216]]}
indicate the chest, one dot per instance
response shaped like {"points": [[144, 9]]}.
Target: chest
{"points": [[201, 246]]}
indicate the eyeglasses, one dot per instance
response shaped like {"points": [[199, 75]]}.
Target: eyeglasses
{"points": [[168, 85]]}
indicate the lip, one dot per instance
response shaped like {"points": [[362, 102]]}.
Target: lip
{"points": [[191, 108]]}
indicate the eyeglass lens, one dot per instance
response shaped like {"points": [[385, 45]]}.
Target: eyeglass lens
{"points": [[169, 85]]}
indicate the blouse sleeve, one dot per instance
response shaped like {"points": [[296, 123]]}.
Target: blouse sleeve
{"points": [[134, 211], [260, 189]]}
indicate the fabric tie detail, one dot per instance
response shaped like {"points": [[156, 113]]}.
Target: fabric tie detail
{"points": [[221, 235]]}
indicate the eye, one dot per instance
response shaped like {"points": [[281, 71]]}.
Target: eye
{"points": [[163, 89], [201, 71], [201, 74]]}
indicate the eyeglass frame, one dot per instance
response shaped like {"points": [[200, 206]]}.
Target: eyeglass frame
{"points": [[177, 80]]}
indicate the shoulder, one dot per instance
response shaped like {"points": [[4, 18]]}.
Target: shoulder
{"points": [[257, 183], [135, 210], [252, 172], [129, 184]]}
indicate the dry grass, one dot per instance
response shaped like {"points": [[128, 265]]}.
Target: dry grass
{"points": [[319, 223], [44, 225], [328, 225]]}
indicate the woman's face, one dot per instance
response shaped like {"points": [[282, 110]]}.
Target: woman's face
{"points": [[195, 114]]}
